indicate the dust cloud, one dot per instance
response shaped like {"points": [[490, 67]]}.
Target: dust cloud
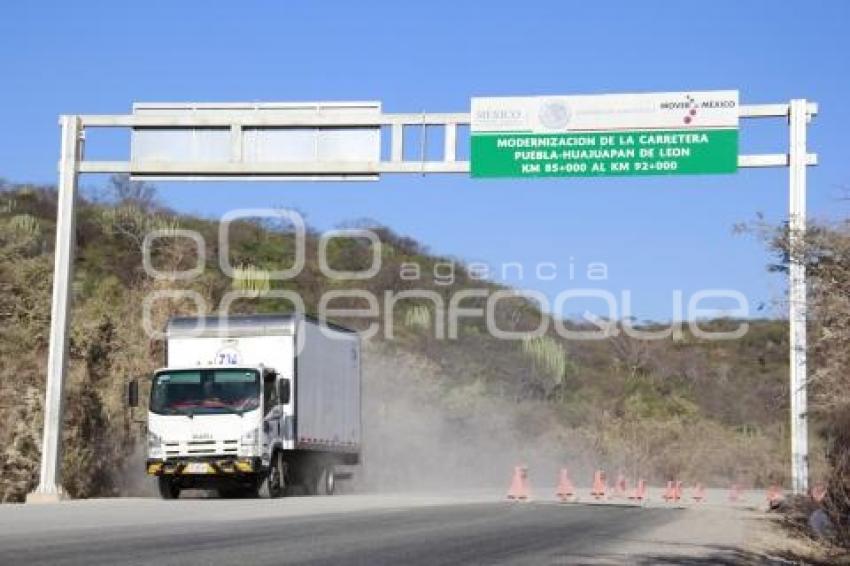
{"points": [[423, 432], [134, 481]]}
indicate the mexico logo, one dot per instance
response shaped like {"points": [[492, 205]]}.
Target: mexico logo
{"points": [[554, 114]]}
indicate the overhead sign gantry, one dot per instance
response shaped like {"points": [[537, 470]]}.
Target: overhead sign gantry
{"points": [[343, 140]]}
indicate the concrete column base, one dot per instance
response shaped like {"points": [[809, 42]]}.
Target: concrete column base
{"points": [[44, 496]]}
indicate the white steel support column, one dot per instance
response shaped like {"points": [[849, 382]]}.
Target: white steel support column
{"points": [[797, 120], [49, 487]]}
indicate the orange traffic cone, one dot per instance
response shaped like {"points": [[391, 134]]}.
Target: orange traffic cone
{"points": [[639, 492], [566, 491], [735, 493], [774, 495], [621, 486], [598, 489], [672, 492], [519, 490], [699, 493]]}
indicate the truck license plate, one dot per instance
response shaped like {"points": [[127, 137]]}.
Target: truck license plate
{"points": [[196, 468]]}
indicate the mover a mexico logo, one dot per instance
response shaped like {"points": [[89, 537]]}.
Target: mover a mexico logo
{"points": [[691, 107]]}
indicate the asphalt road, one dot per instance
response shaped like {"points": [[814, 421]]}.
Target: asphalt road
{"points": [[359, 529]]}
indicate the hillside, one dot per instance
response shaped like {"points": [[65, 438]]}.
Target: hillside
{"points": [[708, 411]]}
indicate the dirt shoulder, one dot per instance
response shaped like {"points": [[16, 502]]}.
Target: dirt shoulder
{"points": [[774, 535], [723, 535]]}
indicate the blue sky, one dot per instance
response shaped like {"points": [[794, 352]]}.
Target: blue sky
{"points": [[655, 234]]}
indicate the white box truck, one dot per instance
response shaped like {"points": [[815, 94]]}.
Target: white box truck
{"points": [[253, 405]]}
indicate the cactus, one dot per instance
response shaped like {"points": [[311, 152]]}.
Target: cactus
{"points": [[418, 316], [251, 279], [25, 225], [8, 206], [550, 358]]}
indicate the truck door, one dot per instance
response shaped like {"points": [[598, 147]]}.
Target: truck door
{"points": [[273, 413]]}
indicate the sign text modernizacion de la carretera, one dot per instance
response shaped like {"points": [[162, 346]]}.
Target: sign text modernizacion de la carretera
{"points": [[628, 134]]}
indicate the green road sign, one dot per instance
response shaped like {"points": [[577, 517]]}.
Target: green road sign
{"points": [[605, 135], [653, 152]]}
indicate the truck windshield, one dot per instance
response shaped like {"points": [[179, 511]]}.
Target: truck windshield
{"points": [[204, 392]]}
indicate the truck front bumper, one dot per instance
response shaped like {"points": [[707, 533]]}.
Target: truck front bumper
{"points": [[209, 466]]}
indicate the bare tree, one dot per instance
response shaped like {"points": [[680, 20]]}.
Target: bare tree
{"points": [[135, 193]]}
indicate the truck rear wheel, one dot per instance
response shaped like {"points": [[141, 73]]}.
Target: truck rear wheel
{"points": [[168, 488], [325, 481], [273, 485]]}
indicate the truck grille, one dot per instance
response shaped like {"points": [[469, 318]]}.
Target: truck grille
{"points": [[201, 447]]}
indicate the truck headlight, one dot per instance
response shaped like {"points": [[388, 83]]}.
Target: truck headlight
{"points": [[154, 445], [250, 443]]}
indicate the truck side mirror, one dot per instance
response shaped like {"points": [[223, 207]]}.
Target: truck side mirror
{"points": [[283, 391], [133, 393]]}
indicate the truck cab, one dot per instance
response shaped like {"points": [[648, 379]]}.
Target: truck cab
{"points": [[215, 427]]}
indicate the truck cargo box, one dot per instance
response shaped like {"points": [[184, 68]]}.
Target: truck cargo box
{"points": [[321, 359]]}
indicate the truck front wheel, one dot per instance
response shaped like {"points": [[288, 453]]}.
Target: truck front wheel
{"points": [[168, 488], [274, 483]]}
